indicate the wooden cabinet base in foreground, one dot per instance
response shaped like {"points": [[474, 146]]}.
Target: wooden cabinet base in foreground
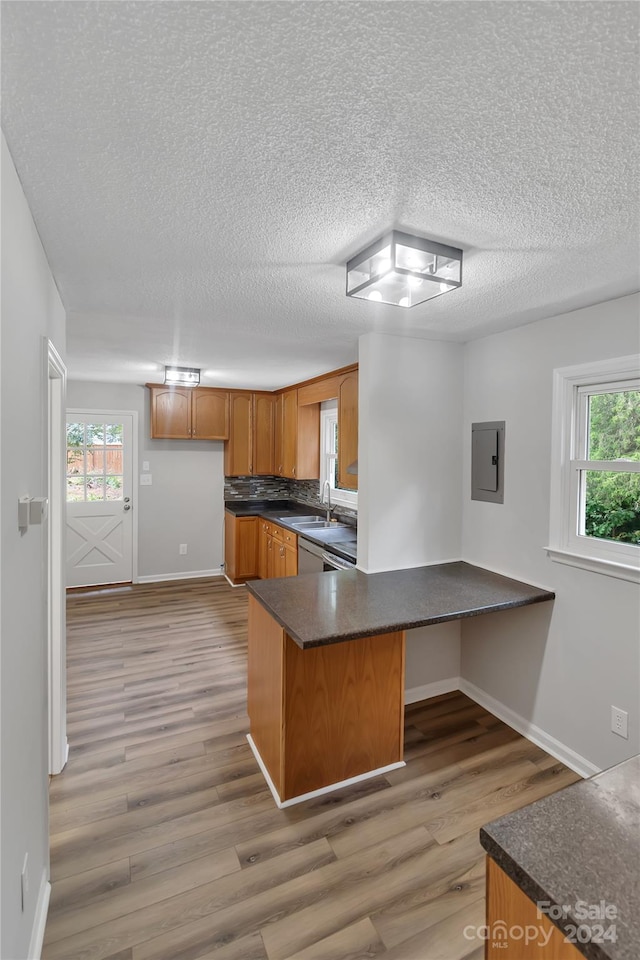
{"points": [[323, 715], [515, 931]]}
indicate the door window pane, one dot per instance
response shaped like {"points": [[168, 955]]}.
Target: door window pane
{"points": [[113, 488], [75, 489], [94, 461]]}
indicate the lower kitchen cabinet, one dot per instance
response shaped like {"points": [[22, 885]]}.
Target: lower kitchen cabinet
{"points": [[254, 547], [509, 912], [323, 715], [277, 551], [240, 548]]}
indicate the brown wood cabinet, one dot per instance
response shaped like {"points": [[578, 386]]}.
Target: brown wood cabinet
{"points": [[265, 544], [308, 731], [277, 551], [250, 450], [348, 430], [297, 438], [263, 429], [509, 909], [240, 548], [238, 452], [188, 413]]}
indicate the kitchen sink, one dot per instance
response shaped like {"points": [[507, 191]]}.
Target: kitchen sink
{"points": [[324, 525], [296, 521]]}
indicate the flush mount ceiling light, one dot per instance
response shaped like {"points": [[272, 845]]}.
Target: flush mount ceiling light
{"points": [[185, 376], [404, 270]]}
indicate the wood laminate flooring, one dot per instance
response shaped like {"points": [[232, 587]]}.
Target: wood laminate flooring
{"points": [[166, 843]]}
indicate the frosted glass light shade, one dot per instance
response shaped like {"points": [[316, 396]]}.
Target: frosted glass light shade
{"points": [[404, 270], [185, 376]]}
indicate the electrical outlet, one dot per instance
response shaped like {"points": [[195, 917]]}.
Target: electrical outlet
{"points": [[620, 722], [24, 881], [183, 550]]}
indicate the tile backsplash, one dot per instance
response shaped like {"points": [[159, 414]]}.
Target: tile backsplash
{"points": [[279, 488]]}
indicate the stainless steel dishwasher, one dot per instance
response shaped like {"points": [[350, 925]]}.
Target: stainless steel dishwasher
{"points": [[315, 559]]}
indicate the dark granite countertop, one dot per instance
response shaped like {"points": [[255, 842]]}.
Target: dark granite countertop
{"points": [[580, 846], [321, 608], [280, 510]]}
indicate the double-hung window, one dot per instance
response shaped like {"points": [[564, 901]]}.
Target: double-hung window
{"points": [[595, 483]]}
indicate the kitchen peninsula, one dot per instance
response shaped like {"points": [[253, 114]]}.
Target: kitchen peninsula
{"points": [[326, 665]]}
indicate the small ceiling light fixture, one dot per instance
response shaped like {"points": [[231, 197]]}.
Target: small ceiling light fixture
{"points": [[185, 376], [404, 270]]}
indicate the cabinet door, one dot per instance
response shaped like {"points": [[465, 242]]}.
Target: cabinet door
{"points": [[290, 561], [272, 549], [264, 405], [278, 459], [209, 414], [348, 431], [241, 547], [170, 413], [289, 433], [279, 559], [263, 549], [238, 449]]}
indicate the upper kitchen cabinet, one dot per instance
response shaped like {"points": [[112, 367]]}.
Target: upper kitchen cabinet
{"points": [[250, 450], [348, 431], [264, 419], [238, 452], [188, 413], [297, 433]]}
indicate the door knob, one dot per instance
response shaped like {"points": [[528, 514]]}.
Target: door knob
{"points": [[127, 499], [127, 506]]}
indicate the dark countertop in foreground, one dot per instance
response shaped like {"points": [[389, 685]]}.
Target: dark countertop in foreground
{"points": [[580, 844], [321, 608]]}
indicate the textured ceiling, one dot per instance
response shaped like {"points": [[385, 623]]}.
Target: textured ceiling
{"points": [[200, 171]]}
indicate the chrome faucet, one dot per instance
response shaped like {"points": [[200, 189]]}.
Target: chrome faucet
{"points": [[326, 489]]}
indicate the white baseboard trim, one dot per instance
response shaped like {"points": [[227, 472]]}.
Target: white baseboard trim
{"points": [[231, 583], [40, 919], [188, 575], [537, 735], [434, 689], [282, 804]]}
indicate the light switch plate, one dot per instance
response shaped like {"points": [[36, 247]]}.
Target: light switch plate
{"points": [[145, 479]]}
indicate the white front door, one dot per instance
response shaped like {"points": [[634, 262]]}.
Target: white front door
{"points": [[99, 498]]}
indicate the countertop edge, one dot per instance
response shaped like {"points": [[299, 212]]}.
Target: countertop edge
{"points": [[534, 892], [380, 630]]}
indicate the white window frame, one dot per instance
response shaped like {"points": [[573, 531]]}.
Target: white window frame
{"points": [[328, 420], [572, 387]]}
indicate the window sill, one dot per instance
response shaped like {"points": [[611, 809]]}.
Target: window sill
{"points": [[620, 571]]}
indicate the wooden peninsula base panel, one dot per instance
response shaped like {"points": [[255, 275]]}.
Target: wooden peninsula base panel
{"points": [[323, 715]]}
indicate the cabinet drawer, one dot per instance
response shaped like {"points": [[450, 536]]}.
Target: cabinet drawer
{"points": [[290, 538], [277, 532]]}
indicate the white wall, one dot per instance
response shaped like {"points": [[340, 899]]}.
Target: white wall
{"points": [[31, 309], [410, 457], [559, 667], [410, 411], [184, 504]]}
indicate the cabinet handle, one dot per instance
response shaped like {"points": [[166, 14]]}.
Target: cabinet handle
{"points": [[294, 471], [282, 551]]}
